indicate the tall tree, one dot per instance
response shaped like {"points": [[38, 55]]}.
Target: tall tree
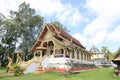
{"points": [[58, 24], [104, 49], [28, 26], [3, 47], [107, 52], [2, 17], [8, 38], [23, 27]]}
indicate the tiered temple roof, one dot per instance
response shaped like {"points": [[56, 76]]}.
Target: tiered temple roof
{"points": [[58, 34], [117, 57], [94, 49]]}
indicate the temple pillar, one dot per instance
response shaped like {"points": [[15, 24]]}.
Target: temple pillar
{"points": [[41, 54], [87, 57], [75, 53], [54, 52], [83, 54], [54, 49], [79, 55], [64, 51], [70, 54]]}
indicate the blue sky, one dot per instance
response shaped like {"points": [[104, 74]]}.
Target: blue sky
{"points": [[90, 21]]}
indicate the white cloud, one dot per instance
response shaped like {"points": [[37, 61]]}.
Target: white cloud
{"points": [[64, 13], [70, 15], [7, 5], [103, 7], [81, 38], [114, 36], [99, 37], [100, 23], [106, 11], [46, 7]]}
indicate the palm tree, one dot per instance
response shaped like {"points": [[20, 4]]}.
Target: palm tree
{"points": [[108, 55]]}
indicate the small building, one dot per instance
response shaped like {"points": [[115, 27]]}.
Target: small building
{"points": [[116, 61], [60, 52], [97, 55], [98, 58]]}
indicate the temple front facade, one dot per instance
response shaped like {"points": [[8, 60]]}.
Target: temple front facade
{"points": [[58, 51], [116, 61], [97, 54]]}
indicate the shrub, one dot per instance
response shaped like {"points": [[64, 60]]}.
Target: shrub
{"points": [[16, 70]]}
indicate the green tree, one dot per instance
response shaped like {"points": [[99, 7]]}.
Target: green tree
{"points": [[22, 27], [2, 17], [9, 37], [3, 47], [104, 49], [27, 27], [61, 26], [107, 52]]}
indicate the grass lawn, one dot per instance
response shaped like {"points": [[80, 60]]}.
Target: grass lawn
{"points": [[99, 74]]}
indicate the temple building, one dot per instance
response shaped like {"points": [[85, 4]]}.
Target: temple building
{"points": [[59, 50], [116, 61], [54, 42], [98, 58], [97, 54]]}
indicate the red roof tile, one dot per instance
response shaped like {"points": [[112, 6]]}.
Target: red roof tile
{"points": [[69, 37], [56, 31]]}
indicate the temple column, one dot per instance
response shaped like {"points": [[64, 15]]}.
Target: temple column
{"points": [[89, 57], [83, 54], [86, 56], [41, 54], [79, 55], [75, 53], [54, 52], [54, 49], [64, 53], [70, 54]]}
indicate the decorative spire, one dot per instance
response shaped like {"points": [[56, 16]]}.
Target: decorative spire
{"points": [[93, 45], [94, 48]]}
